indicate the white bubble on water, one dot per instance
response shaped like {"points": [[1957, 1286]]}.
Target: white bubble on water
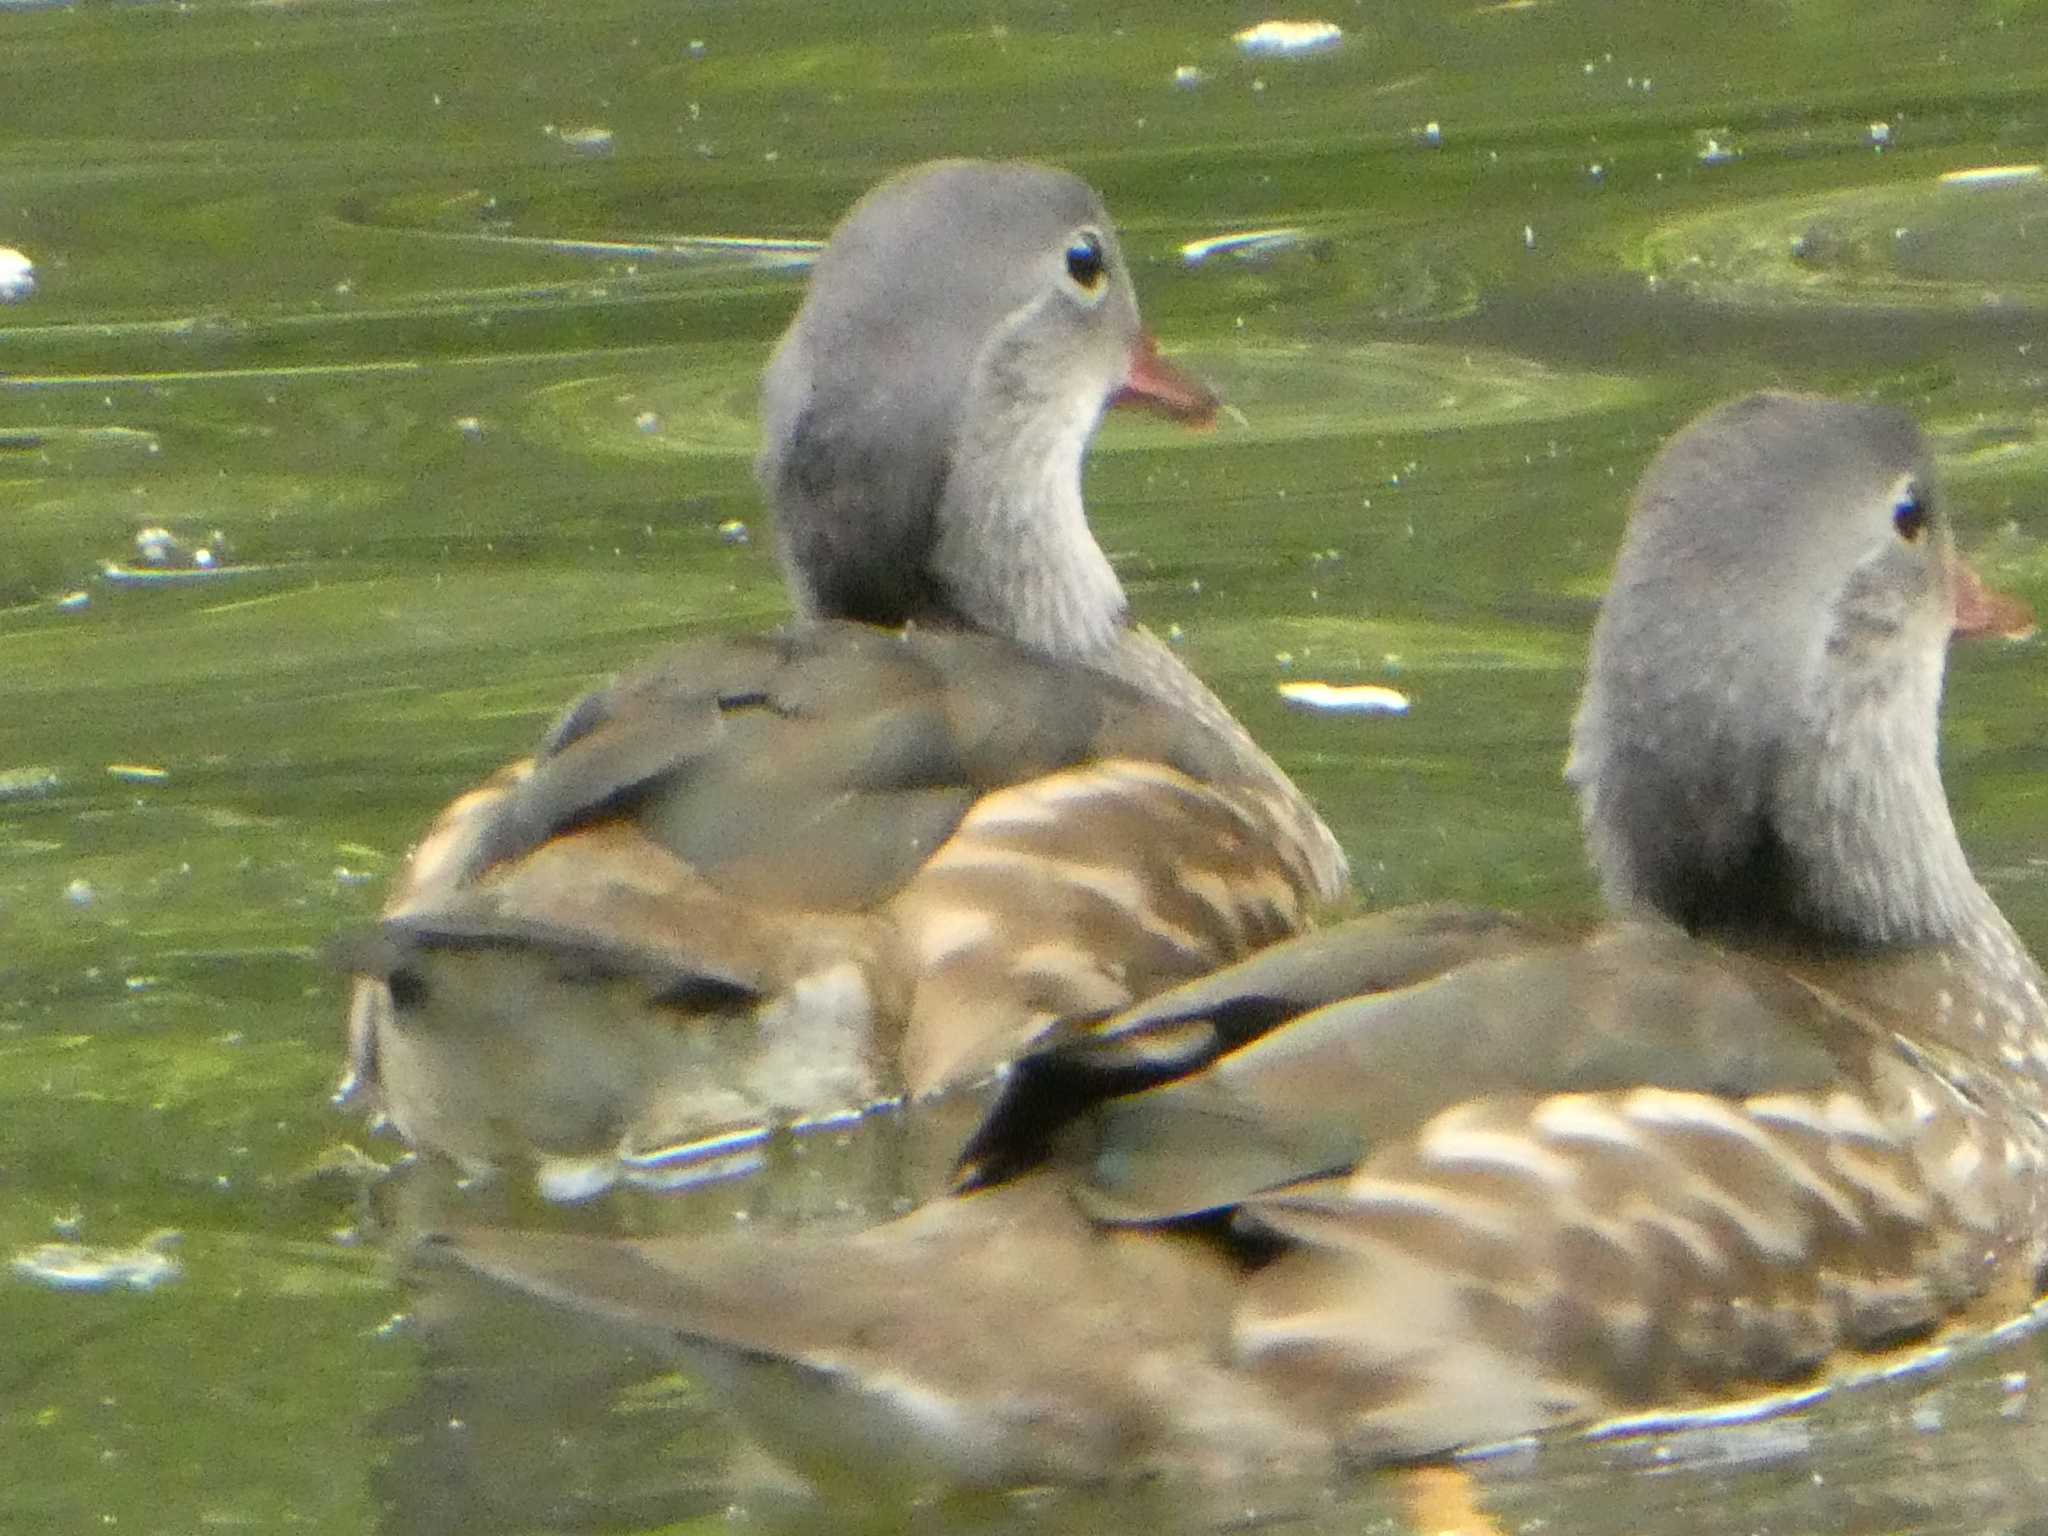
{"points": [[17, 276]]}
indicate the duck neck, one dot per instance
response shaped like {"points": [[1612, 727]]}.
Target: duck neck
{"points": [[1014, 554], [1867, 826], [1016, 557], [1883, 868], [1875, 857]]}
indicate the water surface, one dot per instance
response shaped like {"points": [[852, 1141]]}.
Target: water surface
{"points": [[422, 321]]}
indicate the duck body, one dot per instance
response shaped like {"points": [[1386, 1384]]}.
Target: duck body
{"points": [[1404, 1222], [774, 875], [1438, 1177], [965, 795]]}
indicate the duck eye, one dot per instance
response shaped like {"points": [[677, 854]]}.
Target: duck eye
{"points": [[1084, 261], [1909, 514]]}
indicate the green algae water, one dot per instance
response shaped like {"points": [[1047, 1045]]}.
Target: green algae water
{"points": [[376, 376]]}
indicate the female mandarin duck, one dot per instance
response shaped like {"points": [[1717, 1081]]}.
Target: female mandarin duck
{"points": [[801, 873], [1439, 1177]]}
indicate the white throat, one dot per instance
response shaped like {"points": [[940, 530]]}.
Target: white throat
{"points": [[1015, 553]]}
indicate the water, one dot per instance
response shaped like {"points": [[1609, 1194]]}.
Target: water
{"points": [[437, 326]]}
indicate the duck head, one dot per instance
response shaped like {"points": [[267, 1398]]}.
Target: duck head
{"points": [[925, 417], [1757, 743]]}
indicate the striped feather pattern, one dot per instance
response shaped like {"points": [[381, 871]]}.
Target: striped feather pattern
{"points": [[1079, 894], [1582, 1255]]}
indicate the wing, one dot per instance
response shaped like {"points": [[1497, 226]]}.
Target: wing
{"points": [[1449, 1013]]}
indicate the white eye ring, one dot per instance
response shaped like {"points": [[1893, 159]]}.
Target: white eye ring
{"points": [[1087, 265]]}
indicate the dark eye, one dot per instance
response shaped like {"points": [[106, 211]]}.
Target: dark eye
{"points": [[1084, 261], [1909, 514]]}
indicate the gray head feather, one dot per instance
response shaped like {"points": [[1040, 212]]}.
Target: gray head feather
{"points": [[1757, 742], [936, 323]]}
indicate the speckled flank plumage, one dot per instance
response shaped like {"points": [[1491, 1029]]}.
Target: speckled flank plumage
{"points": [[1077, 894], [1595, 1253], [1437, 1177], [760, 880]]}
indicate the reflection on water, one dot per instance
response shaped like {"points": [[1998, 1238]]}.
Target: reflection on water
{"points": [[1958, 239], [459, 413], [589, 1433]]}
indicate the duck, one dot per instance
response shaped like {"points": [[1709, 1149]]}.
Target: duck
{"points": [[1439, 1178], [765, 880]]}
